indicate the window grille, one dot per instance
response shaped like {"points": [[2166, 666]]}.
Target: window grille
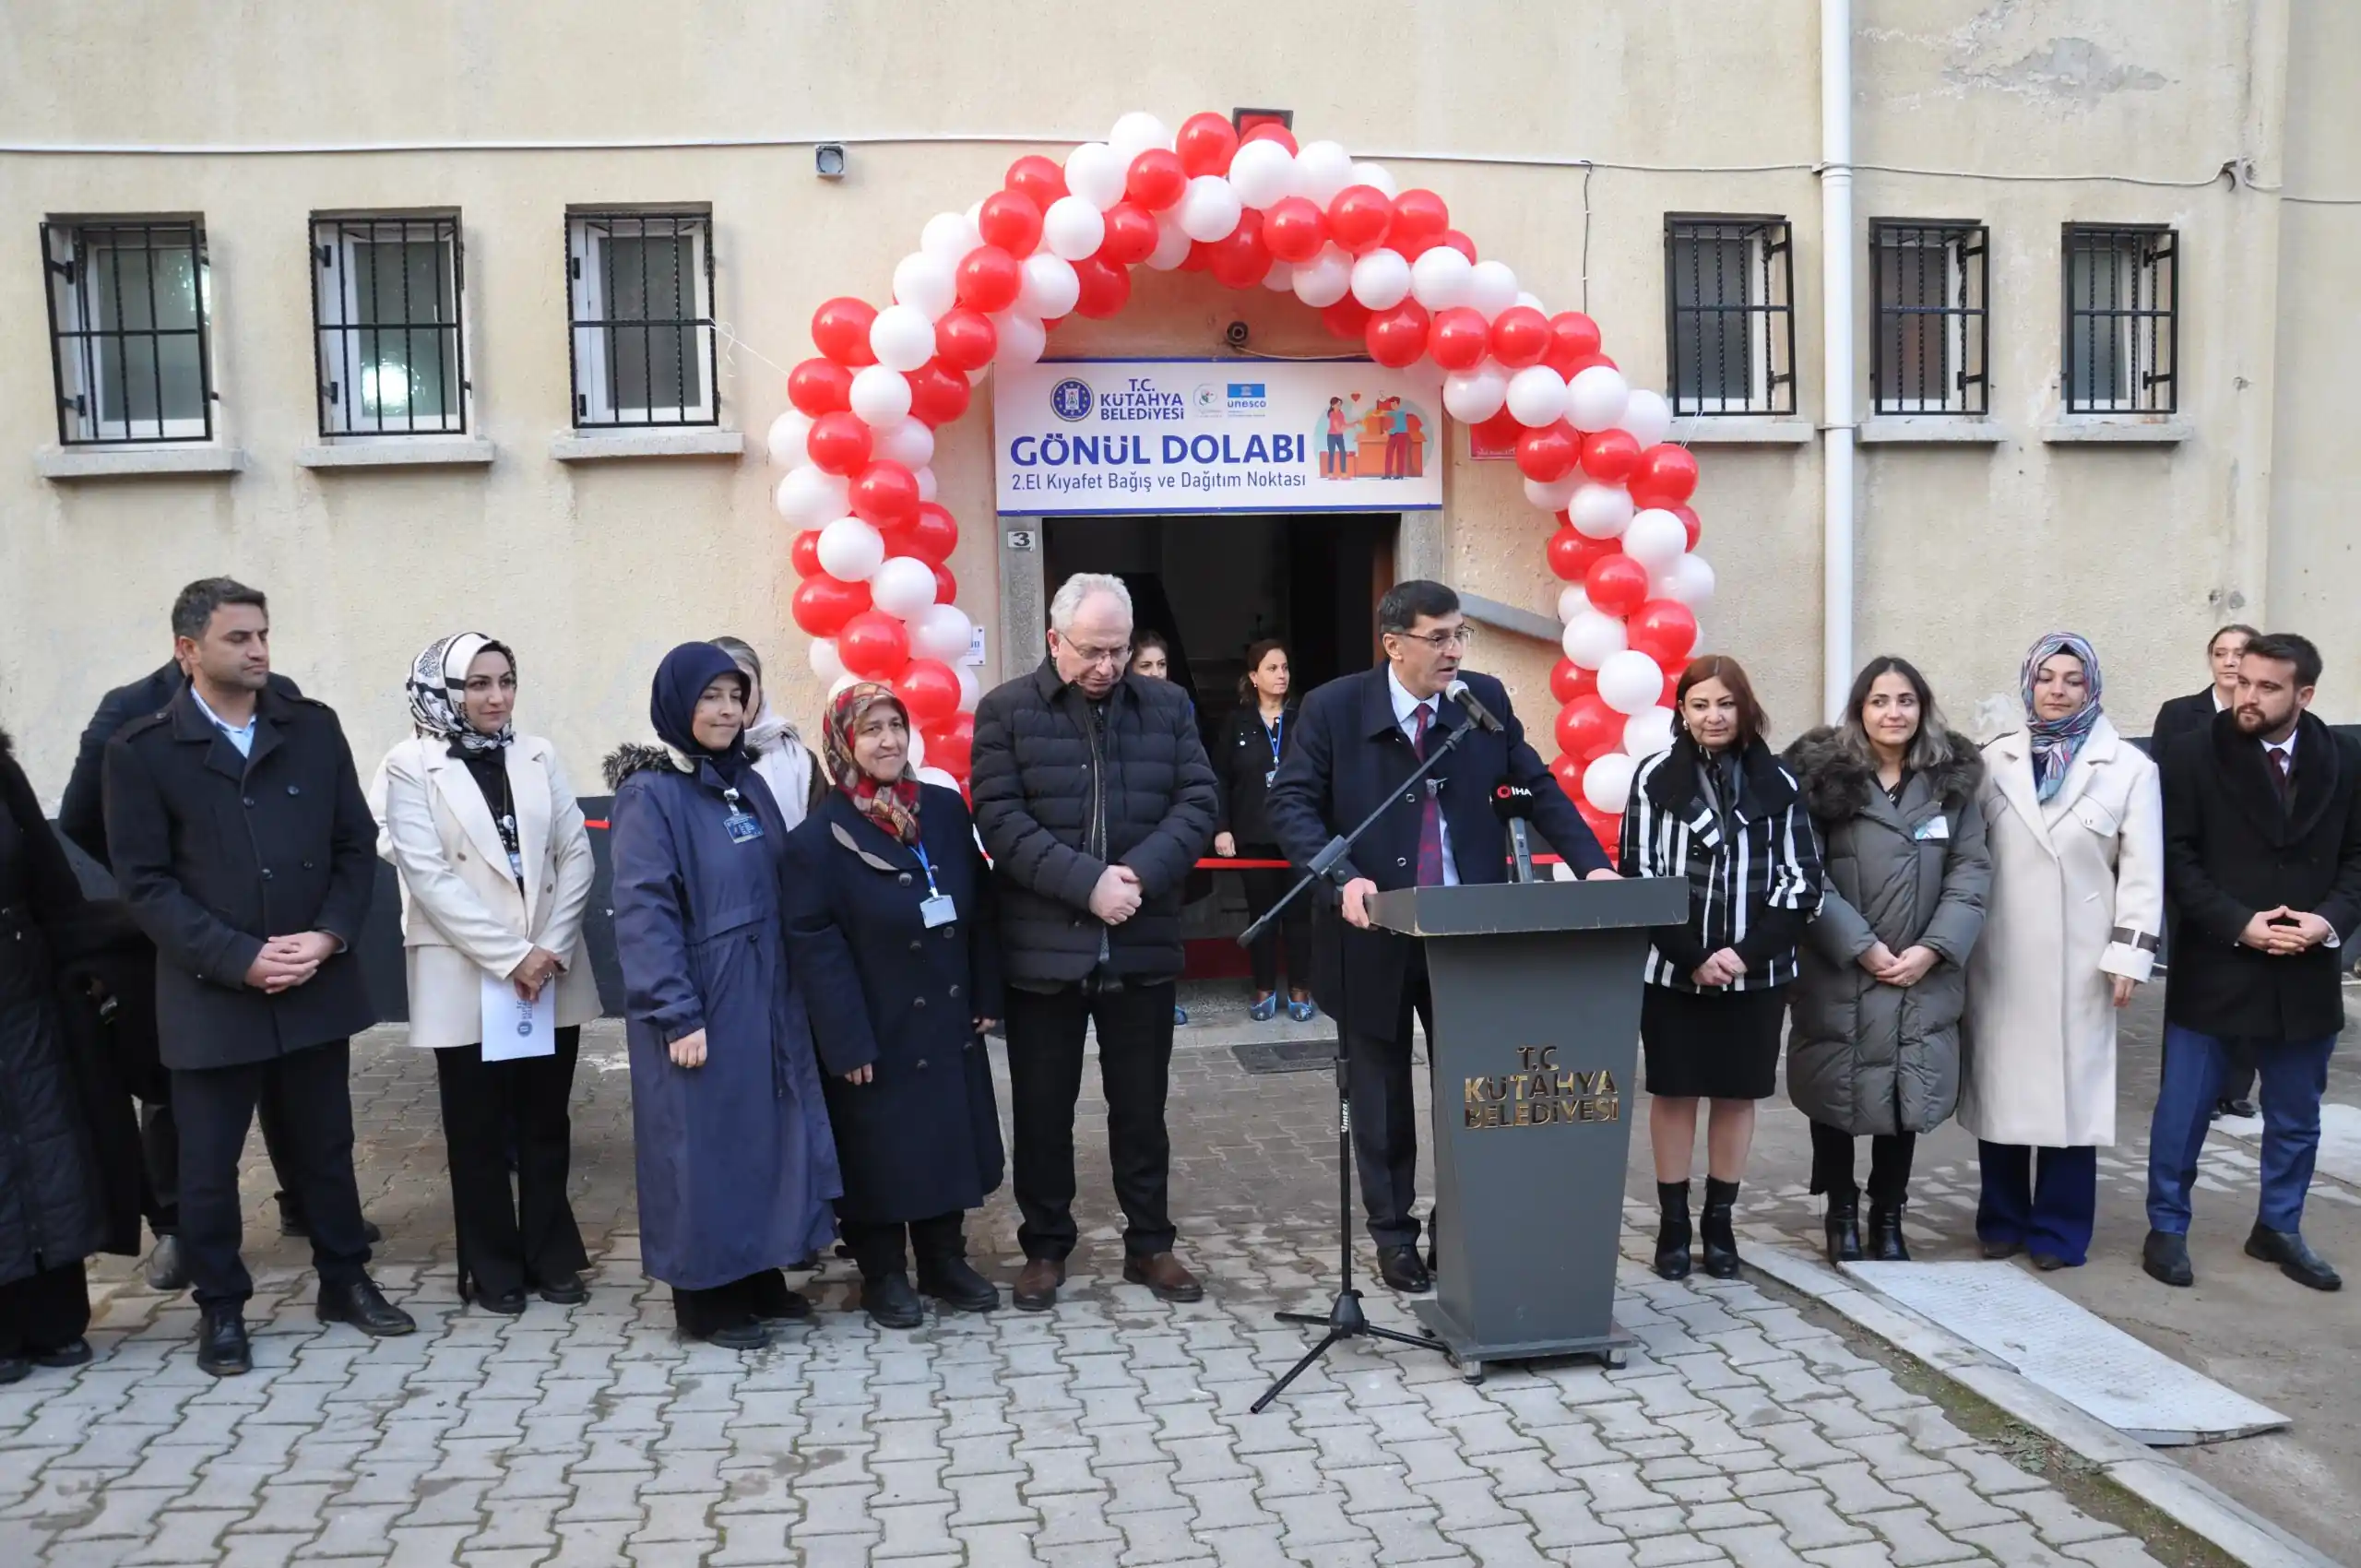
{"points": [[641, 338], [2122, 318], [386, 311], [1730, 320], [1933, 317], [128, 318]]}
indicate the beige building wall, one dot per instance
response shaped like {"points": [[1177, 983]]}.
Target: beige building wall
{"points": [[592, 570]]}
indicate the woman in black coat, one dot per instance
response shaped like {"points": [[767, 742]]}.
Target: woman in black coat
{"points": [[1246, 760], [889, 925]]}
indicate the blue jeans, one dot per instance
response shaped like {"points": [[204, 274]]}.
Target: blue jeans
{"points": [[2293, 1074], [2043, 1199]]}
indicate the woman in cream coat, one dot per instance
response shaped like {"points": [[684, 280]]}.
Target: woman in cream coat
{"points": [[495, 869], [2075, 826]]}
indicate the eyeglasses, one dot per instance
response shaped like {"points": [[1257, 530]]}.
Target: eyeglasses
{"points": [[1451, 637], [1100, 654]]}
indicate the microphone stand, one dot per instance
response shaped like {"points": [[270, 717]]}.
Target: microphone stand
{"points": [[1345, 1320]]}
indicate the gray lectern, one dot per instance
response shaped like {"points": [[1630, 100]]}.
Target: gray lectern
{"points": [[1536, 1011]]}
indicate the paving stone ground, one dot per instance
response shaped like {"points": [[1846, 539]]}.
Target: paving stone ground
{"points": [[1112, 1432]]}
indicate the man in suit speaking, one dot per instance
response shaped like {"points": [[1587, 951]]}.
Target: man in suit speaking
{"points": [[1357, 741]]}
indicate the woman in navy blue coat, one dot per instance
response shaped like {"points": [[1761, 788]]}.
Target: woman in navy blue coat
{"points": [[889, 922], [735, 1162]]}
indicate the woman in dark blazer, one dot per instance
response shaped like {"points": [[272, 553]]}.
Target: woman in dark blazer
{"points": [[889, 923], [1245, 761]]}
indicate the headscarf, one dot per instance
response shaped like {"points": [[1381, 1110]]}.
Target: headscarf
{"points": [[680, 681], [894, 807], [2055, 740], [438, 687]]}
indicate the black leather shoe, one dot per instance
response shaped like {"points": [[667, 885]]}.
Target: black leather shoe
{"points": [[221, 1346], [564, 1290], [166, 1271], [14, 1369], [1672, 1231], [1843, 1228], [1716, 1228], [771, 1300], [2165, 1257], [2242, 1109], [2285, 1248], [1885, 1234], [75, 1352], [1996, 1251], [362, 1304], [507, 1303], [890, 1303], [957, 1286], [743, 1334], [1401, 1268]]}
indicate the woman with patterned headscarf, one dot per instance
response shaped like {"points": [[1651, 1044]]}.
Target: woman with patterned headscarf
{"points": [[2075, 825], [495, 875]]}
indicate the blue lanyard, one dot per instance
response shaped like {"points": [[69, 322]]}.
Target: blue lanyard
{"points": [[927, 866], [1273, 735]]}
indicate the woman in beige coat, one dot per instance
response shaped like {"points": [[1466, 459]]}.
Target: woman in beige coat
{"points": [[495, 870], [2075, 827]]}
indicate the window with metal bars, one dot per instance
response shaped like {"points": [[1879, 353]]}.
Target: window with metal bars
{"points": [[1729, 315], [128, 317], [386, 311], [1933, 320], [2122, 314], [640, 336]]}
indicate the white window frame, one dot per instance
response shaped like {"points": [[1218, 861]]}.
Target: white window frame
{"points": [[586, 236], [90, 425], [336, 289], [1954, 397]]}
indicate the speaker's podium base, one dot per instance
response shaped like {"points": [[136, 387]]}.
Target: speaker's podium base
{"points": [[1537, 1029]]}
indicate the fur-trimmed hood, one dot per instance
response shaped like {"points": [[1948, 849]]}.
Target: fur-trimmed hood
{"points": [[1837, 779], [638, 756]]}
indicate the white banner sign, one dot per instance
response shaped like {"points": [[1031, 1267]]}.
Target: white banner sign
{"points": [[1165, 436]]}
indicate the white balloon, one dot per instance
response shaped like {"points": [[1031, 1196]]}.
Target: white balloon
{"points": [[850, 550], [1646, 415], [824, 662], [1022, 339], [1095, 172], [1648, 732], [1491, 288], [1630, 681], [903, 585], [1049, 288], [902, 337], [971, 687], [806, 498], [1210, 209], [1375, 174], [1537, 395], [1572, 602], [1441, 278], [926, 482], [843, 683], [1381, 279], [1595, 397], [1172, 244], [1262, 171], [1530, 301], [879, 395], [907, 441], [1474, 395], [1325, 278], [787, 434], [948, 237], [936, 775], [1137, 131], [1655, 539], [1591, 638], [1607, 782], [927, 283], [914, 754], [1600, 511], [1280, 279], [941, 631], [1072, 228], [1322, 168], [1552, 494], [1689, 581]]}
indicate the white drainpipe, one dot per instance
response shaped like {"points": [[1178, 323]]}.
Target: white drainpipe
{"points": [[1836, 312]]}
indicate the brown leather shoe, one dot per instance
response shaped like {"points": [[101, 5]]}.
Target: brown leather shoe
{"points": [[1037, 1284], [1162, 1274]]}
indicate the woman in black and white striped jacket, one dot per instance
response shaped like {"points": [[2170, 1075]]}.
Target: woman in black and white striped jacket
{"points": [[1720, 811]]}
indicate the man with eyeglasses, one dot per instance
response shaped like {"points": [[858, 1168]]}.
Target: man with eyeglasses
{"points": [[1357, 741], [1094, 799]]}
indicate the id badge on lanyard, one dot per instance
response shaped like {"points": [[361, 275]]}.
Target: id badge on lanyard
{"points": [[937, 908], [1275, 732], [742, 826]]}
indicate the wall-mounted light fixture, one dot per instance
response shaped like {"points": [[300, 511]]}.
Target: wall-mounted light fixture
{"points": [[828, 160]]}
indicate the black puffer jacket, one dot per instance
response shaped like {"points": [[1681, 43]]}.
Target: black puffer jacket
{"points": [[1063, 788]]}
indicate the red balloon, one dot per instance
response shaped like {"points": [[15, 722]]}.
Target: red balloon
{"points": [[874, 645], [1609, 456], [932, 536], [1663, 629], [989, 280], [1688, 517], [951, 746], [1206, 143], [1294, 229], [1604, 826], [1131, 236], [1397, 337], [1420, 220], [1666, 476], [1574, 367], [1240, 259], [1038, 178], [1348, 318], [929, 691], [1568, 772], [885, 494], [840, 328], [1572, 552], [805, 553], [838, 443], [1359, 216], [1520, 337], [1105, 288], [1586, 726], [1461, 243], [1616, 584], [1157, 180], [820, 387], [1009, 220], [966, 339], [947, 586], [1271, 130], [1671, 699], [1500, 430], [1572, 336], [823, 603], [1200, 258], [1460, 340], [1548, 452], [1569, 681], [938, 392]]}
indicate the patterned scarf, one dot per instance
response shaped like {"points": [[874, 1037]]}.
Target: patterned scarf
{"points": [[438, 687], [2055, 740], [894, 807]]}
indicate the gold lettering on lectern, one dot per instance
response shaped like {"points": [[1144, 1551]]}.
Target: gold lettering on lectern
{"points": [[1538, 1095]]}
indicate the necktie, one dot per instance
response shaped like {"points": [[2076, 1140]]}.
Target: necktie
{"points": [[1429, 813], [2279, 765]]}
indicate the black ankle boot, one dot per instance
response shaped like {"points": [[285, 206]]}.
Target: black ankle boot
{"points": [[1721, 1241], [1672, 1231], [1845, 1230], [1885, 1233]]}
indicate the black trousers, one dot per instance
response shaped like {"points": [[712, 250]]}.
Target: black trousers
{"points": [[214, 1107], [2238, 1072], [1831, 1165], [1045, 1041], [876, 1245], [1385, 1118], [1265, 888], [511, 1239], [159, 1143], [44, 1310]]}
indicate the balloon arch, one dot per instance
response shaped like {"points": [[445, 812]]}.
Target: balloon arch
{"points": [[1382, 266]]}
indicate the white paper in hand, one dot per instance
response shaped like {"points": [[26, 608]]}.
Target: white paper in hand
{"points": [[513, 1027]]}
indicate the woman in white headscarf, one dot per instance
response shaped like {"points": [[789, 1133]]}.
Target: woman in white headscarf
{"points": [[780, 755]]}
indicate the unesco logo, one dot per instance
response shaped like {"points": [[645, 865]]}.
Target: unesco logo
{"points": [[1070, 400]]}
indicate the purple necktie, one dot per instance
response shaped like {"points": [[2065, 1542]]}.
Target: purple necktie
{"points": [[1429, 816]]}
